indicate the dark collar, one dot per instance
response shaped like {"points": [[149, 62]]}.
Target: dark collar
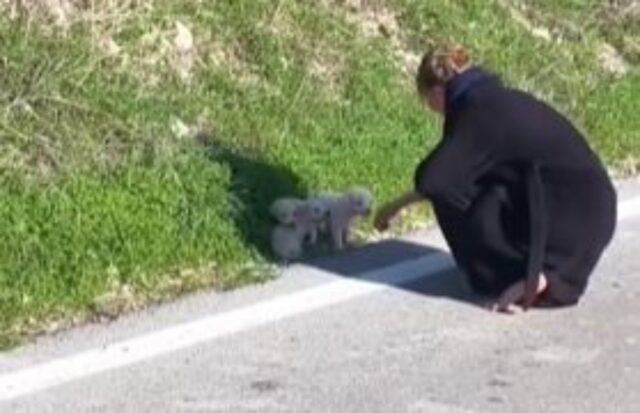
{"points": [[457, 88]]}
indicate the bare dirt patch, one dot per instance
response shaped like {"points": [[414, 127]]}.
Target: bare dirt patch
{"points": [[375, 18]]}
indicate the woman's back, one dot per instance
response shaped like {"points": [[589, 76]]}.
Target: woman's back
{"points": [[494, 135], [529, 129]]}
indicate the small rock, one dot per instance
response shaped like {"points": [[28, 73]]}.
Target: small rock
{"points": [[497, 382], [108, 46], [612, 61], [179, 129], [496, 399], [264, 385], [183, 39], [184, 51]]}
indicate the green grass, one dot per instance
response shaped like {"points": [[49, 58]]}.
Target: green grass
{"points": [[100, 196]]}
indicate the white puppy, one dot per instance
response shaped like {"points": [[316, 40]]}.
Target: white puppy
{"points": [[319, 215], [287, 241], [343, 210], [283, 210]]}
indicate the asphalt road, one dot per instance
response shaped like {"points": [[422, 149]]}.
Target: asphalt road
{"points": [[388, 328]]}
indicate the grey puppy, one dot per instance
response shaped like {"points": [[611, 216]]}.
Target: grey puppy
{"points": [[343, 209], [297, 224]]}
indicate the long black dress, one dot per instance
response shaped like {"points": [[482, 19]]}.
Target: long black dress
{"points": [[517, 191]]}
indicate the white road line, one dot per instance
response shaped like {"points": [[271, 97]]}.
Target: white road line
{"points": [[629, 208], [128, 352], [124, 353]]}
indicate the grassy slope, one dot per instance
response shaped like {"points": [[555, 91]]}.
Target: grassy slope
{"points": [[103, 203]]}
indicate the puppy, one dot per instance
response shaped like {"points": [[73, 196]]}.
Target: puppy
{"points": [[320, 215], [343, 210], [287, 241], [283, 210]]}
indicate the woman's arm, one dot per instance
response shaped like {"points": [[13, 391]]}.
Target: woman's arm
{"points": [[448, 173], [406, 200], [390, 210]]}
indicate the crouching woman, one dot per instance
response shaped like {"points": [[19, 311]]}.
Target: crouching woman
{"points": [[525, 205]]}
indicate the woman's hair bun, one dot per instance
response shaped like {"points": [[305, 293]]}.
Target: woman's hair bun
{"points": [[440, 64]]}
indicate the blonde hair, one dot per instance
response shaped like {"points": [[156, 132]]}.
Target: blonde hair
{"points": [[440, 64]]}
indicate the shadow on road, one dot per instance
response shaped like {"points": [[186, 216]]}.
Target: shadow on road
{"points": [[356, 263]]}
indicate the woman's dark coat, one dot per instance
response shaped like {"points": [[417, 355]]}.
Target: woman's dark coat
{"points": [[517, 191]]}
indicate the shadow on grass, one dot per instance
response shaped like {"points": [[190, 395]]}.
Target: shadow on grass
{"points": [[255, 184]]}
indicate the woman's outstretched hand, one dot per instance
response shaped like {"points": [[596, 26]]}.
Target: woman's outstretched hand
{"points": [[384, 216], [386, 213]]}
